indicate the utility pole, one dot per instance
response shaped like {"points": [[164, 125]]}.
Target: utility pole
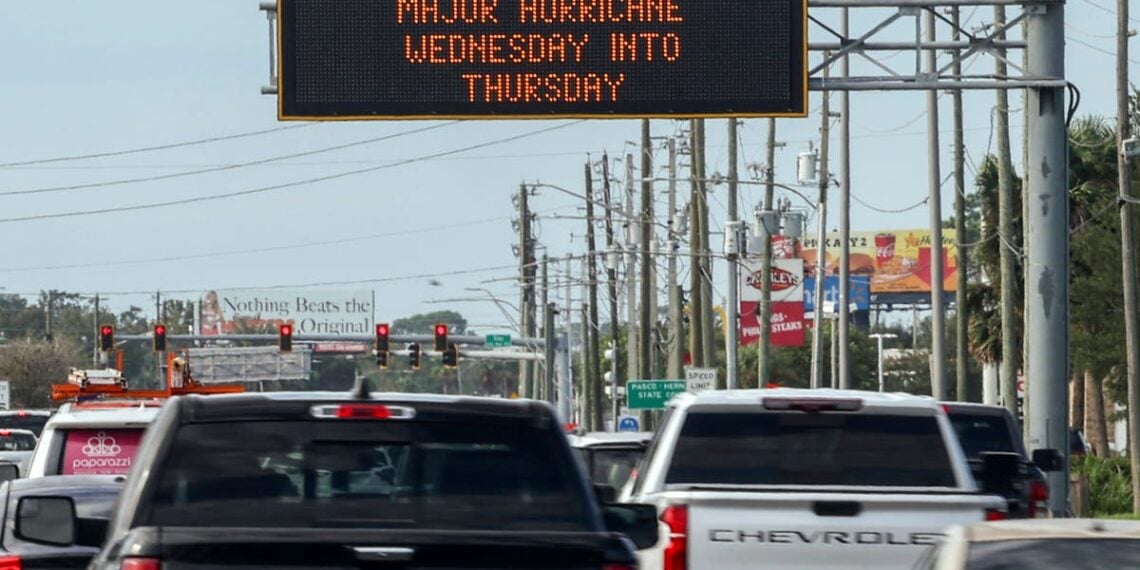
{"points": [[526, 298], [611, 270], [1047, 268], [961, 316], [1127, 253], [821, 251], [645, 355], [731, 338], [696, 305], [708, 334], [937, 283], [547, 391], [95, 332], [1007, 261], [592, 379], [843, 380], [676, 322], [763, 347], [565, 370], [48, 310], [633, 335]]}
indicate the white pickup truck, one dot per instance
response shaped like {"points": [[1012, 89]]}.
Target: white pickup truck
{"points": [[804, 479]]}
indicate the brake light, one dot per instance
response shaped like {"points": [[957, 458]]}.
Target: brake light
{"points": [[10, 563], [5, 432], [21, 413], [996, 515], [362, 412], [676, 517], [814, 404], [137, 563], [1038, 499]]}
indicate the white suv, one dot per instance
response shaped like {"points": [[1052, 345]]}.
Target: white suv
{"points": [[94, 438]]}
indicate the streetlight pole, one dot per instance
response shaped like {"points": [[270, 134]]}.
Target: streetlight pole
{"points": [[879, 337]]}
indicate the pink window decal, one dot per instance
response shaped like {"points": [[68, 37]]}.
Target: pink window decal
{"points": [[99, 451]]}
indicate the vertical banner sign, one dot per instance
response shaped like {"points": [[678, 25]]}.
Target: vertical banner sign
{"points": [[787, 326], [435, 59]]}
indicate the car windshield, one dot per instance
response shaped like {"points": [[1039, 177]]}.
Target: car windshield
{"points": [[980, 433], [367, 474], [16, 441], [758, 448], [1055, 554]]}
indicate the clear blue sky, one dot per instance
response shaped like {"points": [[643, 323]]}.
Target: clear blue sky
{"points": [[82, 77]]}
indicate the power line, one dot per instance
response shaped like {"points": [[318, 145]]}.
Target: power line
{"points": [[224, 167], [271, 188], [157, 147]]}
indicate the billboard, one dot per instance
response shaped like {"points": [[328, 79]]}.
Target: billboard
{"points": [[310, 312], [895, 261], [787, 325], [425, 59], [858, 287]]}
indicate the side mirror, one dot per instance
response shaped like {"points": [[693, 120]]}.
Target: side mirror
{"points": [[1048, 459], [606, 494], [637, 522], [9, 471], [46, 520], [999, 469]]}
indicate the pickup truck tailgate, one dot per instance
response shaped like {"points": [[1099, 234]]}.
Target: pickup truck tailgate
{"points": [[821, 530]]}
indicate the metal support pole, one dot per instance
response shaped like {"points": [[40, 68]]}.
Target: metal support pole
{"points": [[961, 352], [843, 381], [1047, 275], [937, 314], [821, 249], [732, 308], [763, 346]]}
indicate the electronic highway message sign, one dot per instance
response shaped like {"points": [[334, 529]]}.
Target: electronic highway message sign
{"points": [[471, 59]]}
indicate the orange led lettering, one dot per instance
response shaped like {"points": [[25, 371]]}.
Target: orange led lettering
{"points": [[578, 46], [429, 11], [671, 47], [436, 48], [411, 54], [549, 88], [643, 46], [409, 8], [495, 48], [614, 84], [461, 11], [471, 78]]}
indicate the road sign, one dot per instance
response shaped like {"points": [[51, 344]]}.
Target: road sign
{"points": [[498, 341], [509, 59], [652, 394], [628, 423], [700, 379], [5, 395]]}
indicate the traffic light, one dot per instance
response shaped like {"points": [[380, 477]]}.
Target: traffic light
{"points": [[451, 356], [106, 338], [285, 338], [440, 337], [414, 355], [382, 360], [160, 338], [382, 337]]}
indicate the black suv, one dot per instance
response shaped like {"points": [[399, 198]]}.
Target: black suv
{"points": [[992, 431], [339, 480]]}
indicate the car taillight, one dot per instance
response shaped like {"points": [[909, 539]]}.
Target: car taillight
{"points": [[676, 517], [138, 563], [362, 412], [1038, 499], [10, 563], [996, 515]]}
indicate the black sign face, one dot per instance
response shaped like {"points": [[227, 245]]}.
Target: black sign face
{"points": [[398, 59]]}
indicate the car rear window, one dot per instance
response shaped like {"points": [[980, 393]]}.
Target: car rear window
{"points": [[611, 466], [1055, 554], [365, 474], [31, 422], [107, 451], [16, 441], [982, 433], [768, 448]]}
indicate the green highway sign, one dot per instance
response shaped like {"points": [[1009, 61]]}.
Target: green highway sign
{"points": [[652, 394], [498, 341]]}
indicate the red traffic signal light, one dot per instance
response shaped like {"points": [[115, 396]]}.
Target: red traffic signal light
{"points": [[106, 338], [160, 338], [440, 337], [285, 338], [382, 337]]}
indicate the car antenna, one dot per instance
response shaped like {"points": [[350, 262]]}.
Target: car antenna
{"points": [[362, 389]]}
